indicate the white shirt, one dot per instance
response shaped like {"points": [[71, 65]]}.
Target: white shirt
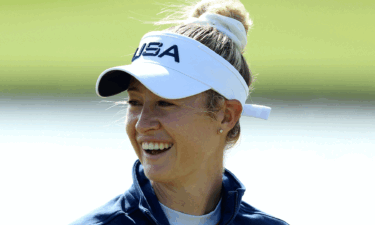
{"points": [[175, 217]]}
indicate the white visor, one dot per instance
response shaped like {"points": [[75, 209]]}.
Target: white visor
{"points": [[173, 66]]}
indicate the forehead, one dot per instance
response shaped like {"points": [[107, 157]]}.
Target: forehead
{"points": [[137, 87]]}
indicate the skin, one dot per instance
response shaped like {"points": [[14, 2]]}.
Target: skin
{"points": [[188, 178]]}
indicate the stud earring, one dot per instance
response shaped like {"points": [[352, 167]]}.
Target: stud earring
{"points": [[220, 131]]}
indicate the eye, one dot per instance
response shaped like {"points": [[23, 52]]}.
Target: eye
{"points": [[163, 103], [133, 103], [160, 103]]}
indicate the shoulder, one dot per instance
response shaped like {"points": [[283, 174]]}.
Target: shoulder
{"points": [[248, 213], [116, 211]]}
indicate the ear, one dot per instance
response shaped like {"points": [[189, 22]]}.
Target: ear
{"points": [[232, 114]]}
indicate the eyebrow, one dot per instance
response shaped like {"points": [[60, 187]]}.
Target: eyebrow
{"points": [[133, 89]]}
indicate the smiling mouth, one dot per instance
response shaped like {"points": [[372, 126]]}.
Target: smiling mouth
{"points": [[155, 152]]}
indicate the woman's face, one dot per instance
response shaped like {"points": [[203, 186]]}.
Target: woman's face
{"points": [[196, 145]]}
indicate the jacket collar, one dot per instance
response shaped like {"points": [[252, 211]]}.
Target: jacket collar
{"points": [[142, 192]]}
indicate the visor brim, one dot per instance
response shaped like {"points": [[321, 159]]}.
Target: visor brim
{"points": [[164, 82]]}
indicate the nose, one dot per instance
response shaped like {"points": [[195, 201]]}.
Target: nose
{"points": [[147, 120]]}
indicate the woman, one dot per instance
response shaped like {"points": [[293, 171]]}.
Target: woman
{"points": [[187, 88]]}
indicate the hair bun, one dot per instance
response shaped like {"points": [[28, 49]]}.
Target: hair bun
{"points": [[229, 8]]}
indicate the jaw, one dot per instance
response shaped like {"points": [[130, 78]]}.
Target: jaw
{"points": [[159, 168]]}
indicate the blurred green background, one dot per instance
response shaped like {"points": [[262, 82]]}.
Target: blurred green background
{"points": [[298, 49]]}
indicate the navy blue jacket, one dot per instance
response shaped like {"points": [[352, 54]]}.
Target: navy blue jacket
{"points": [[139, 205]]}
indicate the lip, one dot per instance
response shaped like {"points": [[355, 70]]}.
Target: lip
{"points": [[155, 157], [141, 140]]}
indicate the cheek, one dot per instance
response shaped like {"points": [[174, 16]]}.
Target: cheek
{"points": [[191, 131], [130, 122]]}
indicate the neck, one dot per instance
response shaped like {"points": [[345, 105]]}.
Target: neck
{"points": [[198, 194]]}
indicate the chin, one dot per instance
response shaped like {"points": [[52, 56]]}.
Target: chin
{"points": [[158, 173]]}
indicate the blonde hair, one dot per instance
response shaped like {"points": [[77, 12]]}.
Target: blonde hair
{"points": [[216, 41], [229, 8]]}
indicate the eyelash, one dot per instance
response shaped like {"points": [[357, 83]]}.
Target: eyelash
{"points": [[133, 103]]}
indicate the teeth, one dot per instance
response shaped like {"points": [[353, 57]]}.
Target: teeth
{"points": [[155, 146]]}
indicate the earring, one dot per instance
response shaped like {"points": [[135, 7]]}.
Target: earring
{"points": [[220, 131]]}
